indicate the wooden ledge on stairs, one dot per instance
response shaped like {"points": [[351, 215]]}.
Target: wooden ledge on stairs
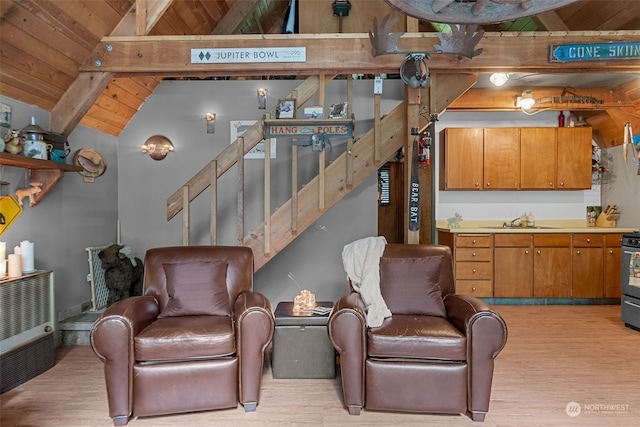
{"points": [[44, 171]]}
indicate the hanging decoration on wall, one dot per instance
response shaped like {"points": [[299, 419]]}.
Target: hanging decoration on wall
{"points": [[474, 12], [92, 163]]}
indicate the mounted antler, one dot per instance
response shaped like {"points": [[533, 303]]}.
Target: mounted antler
{"points": [[382, 41]]}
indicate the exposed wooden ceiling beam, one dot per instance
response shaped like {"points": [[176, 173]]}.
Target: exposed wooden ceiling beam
{"points": [[550, 21], [234, 17], [87, 87], [348, 53]]}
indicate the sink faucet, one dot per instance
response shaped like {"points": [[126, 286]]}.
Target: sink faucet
{"points": [[513, 224]]}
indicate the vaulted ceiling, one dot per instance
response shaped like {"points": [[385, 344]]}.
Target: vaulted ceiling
{"points": [[45, 45]]}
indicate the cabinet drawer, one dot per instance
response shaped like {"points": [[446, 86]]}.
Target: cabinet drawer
{"points": [[474, 270], [551, 240], [480, 241], [512, 240], [473, 254], [476, 288], [588, 240], [613, 240]]}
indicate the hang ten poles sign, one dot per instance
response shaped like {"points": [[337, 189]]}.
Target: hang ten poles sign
{"points": [[248, 55]]}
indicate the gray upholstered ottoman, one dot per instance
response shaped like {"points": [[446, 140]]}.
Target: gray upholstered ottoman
{"points": [[301, 345]]}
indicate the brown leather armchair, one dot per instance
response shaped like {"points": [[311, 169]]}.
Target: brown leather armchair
{"points": [[434, 354], [194, 341]]}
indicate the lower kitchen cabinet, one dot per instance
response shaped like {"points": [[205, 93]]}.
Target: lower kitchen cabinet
{"points": [[473, 255], [587, 266], [551, 271], [612, 255], [513, 274]]}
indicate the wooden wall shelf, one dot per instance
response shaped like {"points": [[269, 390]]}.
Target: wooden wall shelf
{"points": [[44, 171]]}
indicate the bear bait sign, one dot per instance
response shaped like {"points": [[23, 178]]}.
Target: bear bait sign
{"points": [[248, 55]]}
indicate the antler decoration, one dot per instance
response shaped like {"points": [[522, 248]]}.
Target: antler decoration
{"points": [[382, 41], [461, 41]]}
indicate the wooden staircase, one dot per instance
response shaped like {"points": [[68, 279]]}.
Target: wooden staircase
{"points": [[307, 204]]}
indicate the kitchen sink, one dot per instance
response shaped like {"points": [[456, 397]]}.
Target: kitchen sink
{"points": [[535, 227]]}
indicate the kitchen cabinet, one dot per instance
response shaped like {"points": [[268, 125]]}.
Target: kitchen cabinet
{"points": [[612, 254], [463, 154], [551, 265], [515, 158], [473, 255], [574, 152], [587, 266], [501, 162], [513, 273], [538, 158]]}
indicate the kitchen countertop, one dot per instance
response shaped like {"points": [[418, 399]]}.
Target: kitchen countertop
{"points": [[542, 226]]}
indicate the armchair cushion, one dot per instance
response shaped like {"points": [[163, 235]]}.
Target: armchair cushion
{"points": [[417, 337], [196, 288], [411, 285], [187, 337]]}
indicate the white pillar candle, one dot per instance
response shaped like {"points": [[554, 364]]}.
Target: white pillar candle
{"points": [[26, 249], [3, 250], [15, 265], [3, 268]]}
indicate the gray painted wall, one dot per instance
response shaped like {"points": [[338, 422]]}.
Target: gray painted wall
{"points": [[73, 216]]}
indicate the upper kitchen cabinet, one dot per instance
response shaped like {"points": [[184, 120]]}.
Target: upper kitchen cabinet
{"points": [[463, 155], [538, 158], [515, 158], [501, 158], [574, 158]]}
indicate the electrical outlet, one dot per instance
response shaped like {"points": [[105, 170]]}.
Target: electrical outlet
{"points": [[377, 86]]}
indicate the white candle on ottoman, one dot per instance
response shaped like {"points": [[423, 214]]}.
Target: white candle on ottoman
{"points": [[26, 248], [3, 250], [3, 268], [15, 265]]}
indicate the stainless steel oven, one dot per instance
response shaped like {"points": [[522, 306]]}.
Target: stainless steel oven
{"points": [[630, 280]]}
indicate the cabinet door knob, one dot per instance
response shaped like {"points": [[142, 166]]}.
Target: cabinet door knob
{"points": [[588, 240], [526, 252], [488, 184], [473, 271], [610, 252], [474, 241], [577, 252], [551, 184], [539, 252], [473, 289], [477, 184], [473, 254], [562, 184]]}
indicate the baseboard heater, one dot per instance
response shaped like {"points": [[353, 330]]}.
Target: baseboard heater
{"points": [[27, 326]]}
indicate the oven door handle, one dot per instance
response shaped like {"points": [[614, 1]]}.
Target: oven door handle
{"points": [[629, 252], [630, 303]]}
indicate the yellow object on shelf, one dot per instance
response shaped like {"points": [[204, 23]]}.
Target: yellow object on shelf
{"points": [[10, 209]]}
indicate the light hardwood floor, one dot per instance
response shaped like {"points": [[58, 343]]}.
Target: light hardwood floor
{"points": [[554, 355]]}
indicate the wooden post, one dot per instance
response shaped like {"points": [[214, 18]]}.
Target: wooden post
{"points": [[240, 189], [267, 196], [213, 226], [377, 131], [185, 215], [321, 156], [294, 189]]}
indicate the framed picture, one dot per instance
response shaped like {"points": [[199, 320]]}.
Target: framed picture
{"points": [[313, 112], [286, 109], [239, 127], [5, 116], [338, 111]]}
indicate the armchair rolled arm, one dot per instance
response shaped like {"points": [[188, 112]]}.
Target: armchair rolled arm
{"points": [[486, 334], [255, 325], [348, 333], [112, 340]]}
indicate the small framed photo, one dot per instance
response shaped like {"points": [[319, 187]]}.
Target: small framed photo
{"points": [[239, 127], [286, 109], [338, 111], [5, 115], [313, 112]]}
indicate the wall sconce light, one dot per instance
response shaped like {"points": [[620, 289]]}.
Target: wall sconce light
{"points": [[414, 71], [211, 122], [262, 98], [525, 101], [157, 146], [499, 79]]}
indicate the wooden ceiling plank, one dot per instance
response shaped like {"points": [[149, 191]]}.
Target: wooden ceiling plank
{"points": [[7, 88], [79, 11], [550, 21], [235, 16], [38, 87], [126, 97], [448, 88], [526, 52], [101, 126], [51, 12]]}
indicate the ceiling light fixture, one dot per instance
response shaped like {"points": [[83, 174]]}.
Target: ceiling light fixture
{"points": [[525, 101], [414, 71], [499, 79], [157, 146]]}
